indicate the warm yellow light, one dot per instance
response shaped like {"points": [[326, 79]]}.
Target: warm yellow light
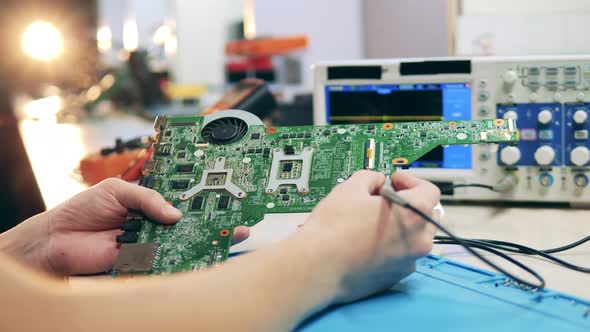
{"points": [[249, 20], [130, 35], [42, 41], [93, 93], [171, 46], [161, 35], [44, 108], [104, 39], [107, 81]]}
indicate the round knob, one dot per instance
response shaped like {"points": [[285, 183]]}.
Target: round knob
{"points": [[509, 77], [546, 179], [483, 111], [544, 155], [511, 115], [545, 117], [506, 184], [483, 96], [510, 155], [580, 156], [580, 117], [581, 180]]}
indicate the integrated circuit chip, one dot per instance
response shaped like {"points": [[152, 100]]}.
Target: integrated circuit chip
{"points": [[287, 167], [223, 202], [127, 237], [131, 225], [150, 166], [185, 168], [163, 149], [147, 181], [197, 203], [179, 184]]}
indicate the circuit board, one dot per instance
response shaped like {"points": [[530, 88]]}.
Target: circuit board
{"points": [[228, 169]]}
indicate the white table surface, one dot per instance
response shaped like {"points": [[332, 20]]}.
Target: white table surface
{"points": [[55, 150]]}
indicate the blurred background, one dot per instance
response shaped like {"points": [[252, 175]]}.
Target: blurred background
{"points": [[81, 81]]}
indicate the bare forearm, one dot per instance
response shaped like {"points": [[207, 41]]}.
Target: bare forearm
{"points": [[269, 290]]}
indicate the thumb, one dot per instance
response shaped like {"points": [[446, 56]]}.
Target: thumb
{"points": [[148, 201], [366, 181], [403, 180]]}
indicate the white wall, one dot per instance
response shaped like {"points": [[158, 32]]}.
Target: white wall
{"points": [[334, 28], [524, 7], [202, 30], [111, 14], [149, 15], [523, 27], [406, 28]]}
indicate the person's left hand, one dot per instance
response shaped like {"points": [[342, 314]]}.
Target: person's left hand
{"points": [[79, 236]]}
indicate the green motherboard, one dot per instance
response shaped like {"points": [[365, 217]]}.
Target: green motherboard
{"points": [[228, 169]]}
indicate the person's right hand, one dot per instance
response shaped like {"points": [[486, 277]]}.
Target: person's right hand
{"points": [[371, 243]]}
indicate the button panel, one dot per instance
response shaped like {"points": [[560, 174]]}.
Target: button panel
{"points": [[552, 78], [562, 127], [576, 128], [540, 126]]}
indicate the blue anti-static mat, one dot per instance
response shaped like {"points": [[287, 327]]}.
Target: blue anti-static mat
{"points": [[444, 295]]}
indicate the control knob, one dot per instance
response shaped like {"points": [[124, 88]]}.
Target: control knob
{"points": [[509, 77], [544, 155], [580, 117], [580, 156], [510, 155], [545, 116], [511, 115], [546, 179], [581, 180]]}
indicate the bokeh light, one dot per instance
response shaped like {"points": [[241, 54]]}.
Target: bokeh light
{"points": [[42, 41]]}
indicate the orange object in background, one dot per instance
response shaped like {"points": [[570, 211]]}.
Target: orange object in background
{"points": [[234, 97], [96, 167], [266, 46]]}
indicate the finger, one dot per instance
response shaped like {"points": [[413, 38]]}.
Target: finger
{"points": [[403, 180], [146, 200], [240, 234], [430, 231], [85, 253], [424, 196], [366, 181]]}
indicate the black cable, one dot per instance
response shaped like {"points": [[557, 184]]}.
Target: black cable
{"points": [[545, 251], [389, 193], [514, 247], [474, 244], [477, 185], [521, 249], [567, 246], [469, 248], [447, 190]]}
